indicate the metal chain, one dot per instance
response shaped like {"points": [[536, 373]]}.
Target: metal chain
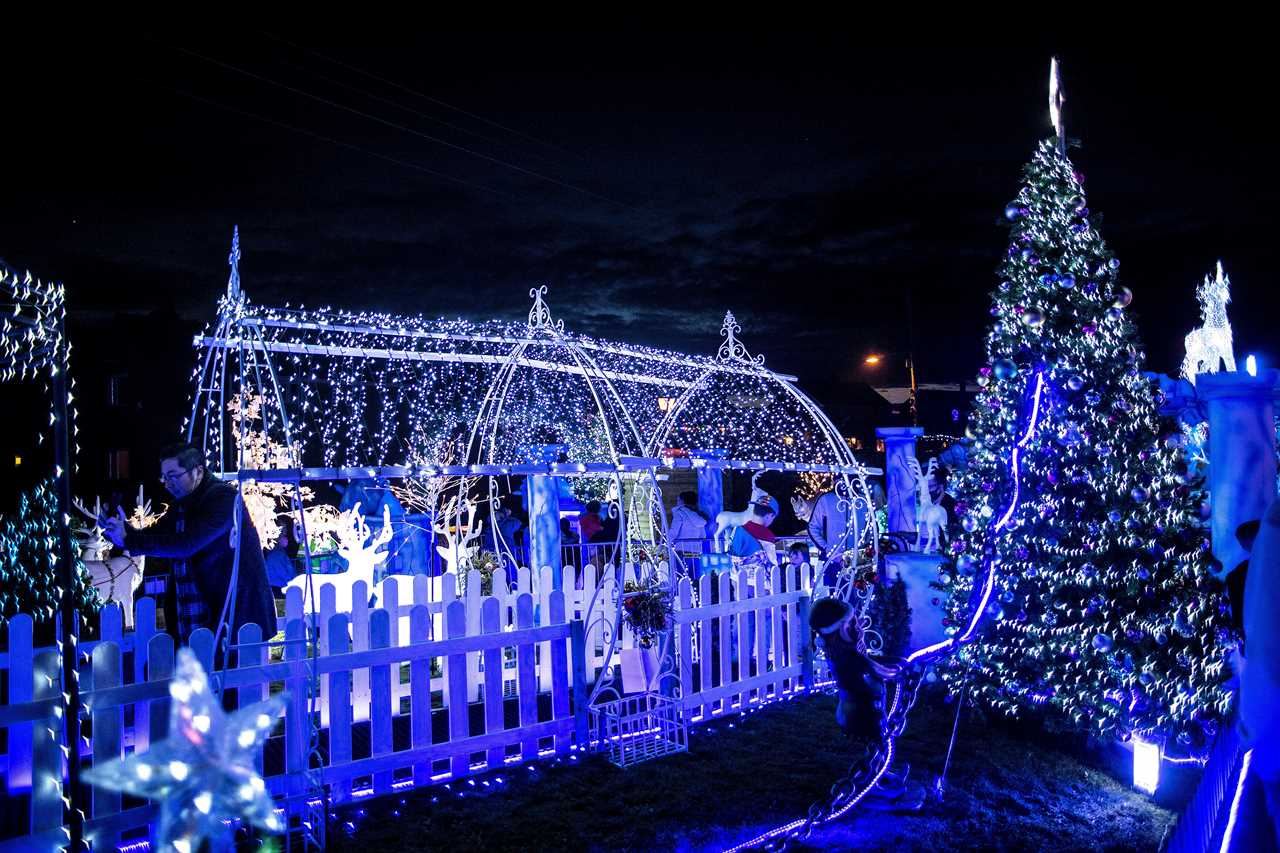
{"points": [[864, 772]]}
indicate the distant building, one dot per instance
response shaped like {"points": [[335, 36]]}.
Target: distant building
{"points": [[943, 408]]}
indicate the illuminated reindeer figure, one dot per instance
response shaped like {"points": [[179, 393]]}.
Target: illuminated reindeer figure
{"points": [[929, 516], [1210, 344], [461, 539], [118, 578], [360, 550], [727, 521]]}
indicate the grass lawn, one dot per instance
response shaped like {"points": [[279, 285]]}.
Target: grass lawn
{"points": [[1008, 789]]}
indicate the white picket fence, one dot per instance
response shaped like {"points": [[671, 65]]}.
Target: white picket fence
{"points": [[390, 677]]}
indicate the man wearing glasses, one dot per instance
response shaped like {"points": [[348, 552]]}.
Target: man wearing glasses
{"points": [[196, 537]]}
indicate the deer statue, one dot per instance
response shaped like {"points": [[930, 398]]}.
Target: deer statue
{"points": [[929, 516], [727, 521], [461, 540], [1210, 344], [362, 553], [118, 578]]}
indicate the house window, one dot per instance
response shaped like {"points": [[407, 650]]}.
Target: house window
{"points": [[118, 464]]}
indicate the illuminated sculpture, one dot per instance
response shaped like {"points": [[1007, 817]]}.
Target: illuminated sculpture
{"points": [[929, 516], [1210, 344], [728, 521], [461, 538], [360, 550], [117, 579]]}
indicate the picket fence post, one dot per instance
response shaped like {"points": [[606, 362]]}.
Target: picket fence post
{"points": [[108, 723], [578, 653], [381, 634], [491, 623], [801, 635], [685, 631], [144, 628], [459, 724], [46, 754], [420, 691], [559, 666], [21, 682], [526, 678], [340, 705], [251, 653]]}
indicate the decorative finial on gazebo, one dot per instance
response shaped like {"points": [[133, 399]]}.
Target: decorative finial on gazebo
{"points": [[731, 349], [233, 282], [540, 314], [1056, 99]]}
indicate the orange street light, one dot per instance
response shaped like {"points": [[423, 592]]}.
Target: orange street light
{"points": [[876, 358]]}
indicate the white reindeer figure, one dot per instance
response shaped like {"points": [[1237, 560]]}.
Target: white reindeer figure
{"points": [[461, 539], [726, 521], [1210, 344], [929, 516], [362, 555], [117, 579]]}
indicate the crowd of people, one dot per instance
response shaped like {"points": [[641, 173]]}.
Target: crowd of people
{"points": [[194, 538]]}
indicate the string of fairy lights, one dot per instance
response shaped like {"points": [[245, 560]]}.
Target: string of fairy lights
{"points": [[375, 389], [33, 346], [1104, 607]]}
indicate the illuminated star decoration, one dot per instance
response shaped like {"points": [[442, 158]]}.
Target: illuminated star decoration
{"points": [[1056, 99], [203, 774]]}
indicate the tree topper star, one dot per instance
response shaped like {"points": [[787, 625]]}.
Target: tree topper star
{"points": [[203, 774]]}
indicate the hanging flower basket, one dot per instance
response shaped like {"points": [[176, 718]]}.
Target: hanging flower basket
{"points": [[647, 608]]}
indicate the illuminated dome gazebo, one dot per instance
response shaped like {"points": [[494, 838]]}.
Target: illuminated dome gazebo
{"points": [[342, 395], [354, 395]]}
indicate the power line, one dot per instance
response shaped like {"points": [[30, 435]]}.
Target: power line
{"points": [[323, 138], [414, 92], [401, 127], [392, 103]]}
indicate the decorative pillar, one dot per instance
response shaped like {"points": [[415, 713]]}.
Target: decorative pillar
{"points": [[542, 491], [1242, 454], [900, 483], [918, 572], [710, 486]]}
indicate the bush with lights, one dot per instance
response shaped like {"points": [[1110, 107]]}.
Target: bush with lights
{"points": [[1104, 609], [29, 581]]}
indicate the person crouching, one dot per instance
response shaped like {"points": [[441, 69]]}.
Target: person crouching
{"points": [[859, 678]]}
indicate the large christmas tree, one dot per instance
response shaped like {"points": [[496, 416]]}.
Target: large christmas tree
{"points": [[1103, 606]]}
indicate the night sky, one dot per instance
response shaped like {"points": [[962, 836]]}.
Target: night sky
{"points": [[807, 182]]}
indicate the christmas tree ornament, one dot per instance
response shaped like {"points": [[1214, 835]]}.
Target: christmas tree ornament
{"points": [[1004, 368]]}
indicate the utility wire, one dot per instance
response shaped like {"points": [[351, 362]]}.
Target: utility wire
{"points": [[396, 104], [228, 66], [245, 113], [413, 92]]}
